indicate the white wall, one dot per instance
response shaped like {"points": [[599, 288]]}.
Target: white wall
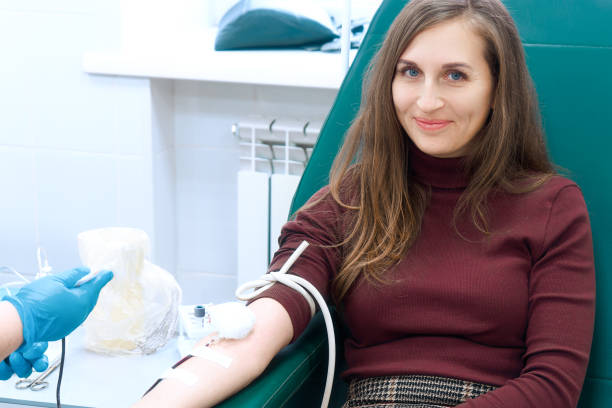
{"points": [[207, 160], [82, 151], [72, 146]]}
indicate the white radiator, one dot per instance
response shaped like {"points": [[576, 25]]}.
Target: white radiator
{"points": [[273, 156]]}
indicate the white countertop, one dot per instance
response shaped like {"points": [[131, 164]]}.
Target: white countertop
{"points": [[95, 380], [194, 58]]}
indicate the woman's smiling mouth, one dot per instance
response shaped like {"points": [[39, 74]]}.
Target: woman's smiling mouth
{"points": [[430, 124]]}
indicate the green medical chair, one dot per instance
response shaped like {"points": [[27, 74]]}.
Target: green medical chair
{"points": [[569, 52]]}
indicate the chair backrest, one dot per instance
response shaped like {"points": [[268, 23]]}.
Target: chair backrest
{"points": [[569, 54]]}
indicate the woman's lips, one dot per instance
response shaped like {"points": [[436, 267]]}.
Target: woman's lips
{"points": [[429, 124]]}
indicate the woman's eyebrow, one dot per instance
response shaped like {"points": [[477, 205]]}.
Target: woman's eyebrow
{"points": [[449, 65], [453, 65], [407, 62]]}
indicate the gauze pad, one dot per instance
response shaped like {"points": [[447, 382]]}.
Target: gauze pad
{"points": [[231, 320]]}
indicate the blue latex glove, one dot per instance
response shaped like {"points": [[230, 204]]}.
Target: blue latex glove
{"points": [[23, 360], [50, 308]]}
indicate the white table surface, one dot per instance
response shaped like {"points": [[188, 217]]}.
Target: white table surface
{"points": [[95, 380]]}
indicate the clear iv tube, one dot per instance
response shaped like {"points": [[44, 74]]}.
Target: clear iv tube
{"points": [[13, 270], [8, 285], [43, 264]]}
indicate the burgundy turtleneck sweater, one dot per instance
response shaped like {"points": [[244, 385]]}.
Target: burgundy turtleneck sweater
{"points": [[514, 309]]}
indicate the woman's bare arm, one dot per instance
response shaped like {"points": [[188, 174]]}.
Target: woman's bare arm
{"points": [[250, 356], [10, 330]]}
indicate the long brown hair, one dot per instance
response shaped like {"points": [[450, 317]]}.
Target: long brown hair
{"points": [[386, 213]]}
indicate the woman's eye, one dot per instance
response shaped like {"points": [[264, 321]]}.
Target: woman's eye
{"points": [[455, 76], [411, 72]]}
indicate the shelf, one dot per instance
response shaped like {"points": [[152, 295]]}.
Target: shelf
{"points": [[312, 69]]}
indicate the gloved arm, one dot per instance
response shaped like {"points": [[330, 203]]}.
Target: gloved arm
{"points": [[50, 308], [10, 331], [27, 356], [44, 310]]}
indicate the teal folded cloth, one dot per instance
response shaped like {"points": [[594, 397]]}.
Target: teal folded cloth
{"points": [[273, 24]]}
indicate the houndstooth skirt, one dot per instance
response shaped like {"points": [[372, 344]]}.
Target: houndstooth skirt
{"points": [[411, 391]]}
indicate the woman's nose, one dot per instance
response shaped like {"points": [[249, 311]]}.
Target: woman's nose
{"points": [[429, 98]]}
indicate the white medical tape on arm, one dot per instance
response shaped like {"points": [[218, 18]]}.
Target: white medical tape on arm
{"points": [[183, 376], [212, 355]]}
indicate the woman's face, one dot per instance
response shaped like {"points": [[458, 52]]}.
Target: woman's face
{"points": [[443, 88]]}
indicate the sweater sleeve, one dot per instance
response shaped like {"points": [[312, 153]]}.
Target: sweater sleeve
{"points": [[318, 225], [561, 314]]}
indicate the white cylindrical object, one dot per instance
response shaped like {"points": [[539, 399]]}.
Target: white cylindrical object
{"points": [[253, 212], [345, 46], [282, 190]]}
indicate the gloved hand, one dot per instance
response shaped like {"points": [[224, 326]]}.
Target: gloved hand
{"points": [[50, 308], [23, 360]]}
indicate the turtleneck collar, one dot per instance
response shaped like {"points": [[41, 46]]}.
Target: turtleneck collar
{"points": [[438, 172]]}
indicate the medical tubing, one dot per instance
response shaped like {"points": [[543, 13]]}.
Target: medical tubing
{"points": [[7, 285], [61, 367], [14, 271], [61, 373], [298, 283]]}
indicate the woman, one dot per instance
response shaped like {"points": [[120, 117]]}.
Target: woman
{"points": [[461, 264]]}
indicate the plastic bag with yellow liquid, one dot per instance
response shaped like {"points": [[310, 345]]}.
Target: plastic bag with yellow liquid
{"points": [[137, 312]]}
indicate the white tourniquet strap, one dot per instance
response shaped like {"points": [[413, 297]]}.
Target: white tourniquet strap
{"points": [[302, 286]]}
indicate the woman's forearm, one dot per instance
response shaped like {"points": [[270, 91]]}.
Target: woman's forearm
{"points": [[11, 330], [249, 357]]}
